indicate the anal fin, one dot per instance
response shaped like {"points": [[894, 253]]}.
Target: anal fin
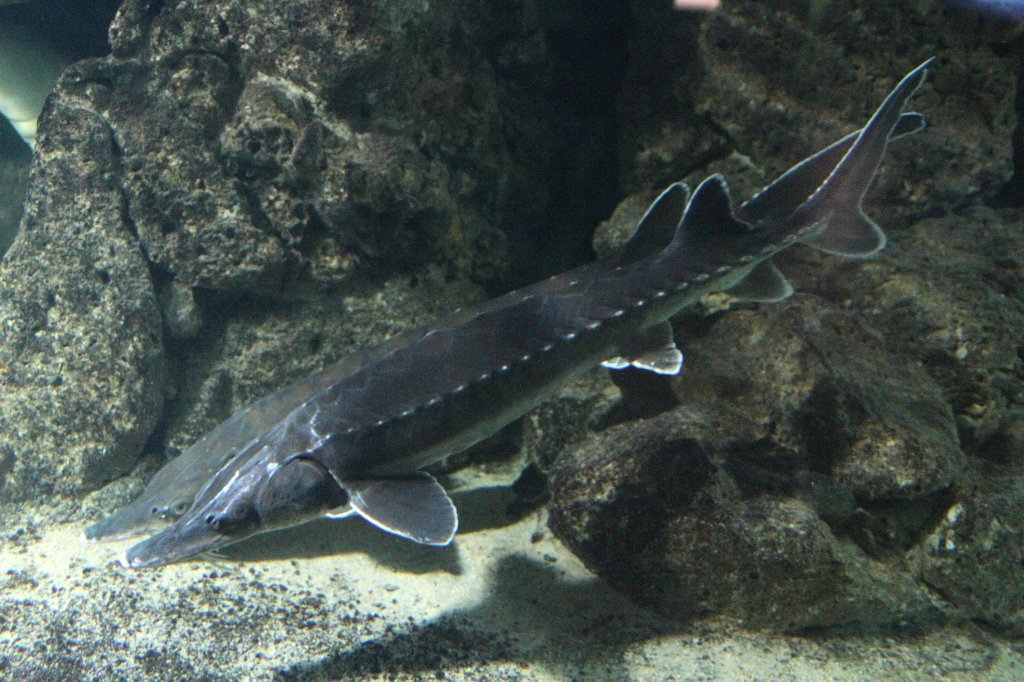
{"points": [[653, 349], [764, 284], [849, 233], [414, 506]]}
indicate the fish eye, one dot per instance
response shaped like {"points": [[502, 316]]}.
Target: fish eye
{"points": [[233, 520], [180, 508]]}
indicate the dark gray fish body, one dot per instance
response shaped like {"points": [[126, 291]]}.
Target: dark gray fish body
{"points": [[358, 445]]}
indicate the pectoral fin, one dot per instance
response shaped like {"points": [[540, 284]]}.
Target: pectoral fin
{"points": [[413, 506], [654, 349]]}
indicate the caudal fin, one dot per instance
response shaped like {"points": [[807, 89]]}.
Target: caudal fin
{"points": [[832, 219]]}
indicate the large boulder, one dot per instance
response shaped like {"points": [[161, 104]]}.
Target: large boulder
{"points": [[758, 498], [81, 346]]}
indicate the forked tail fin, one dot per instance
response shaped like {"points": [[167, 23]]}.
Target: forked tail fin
{"points": [[832, 219]]}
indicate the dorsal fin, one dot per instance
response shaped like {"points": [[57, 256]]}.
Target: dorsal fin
{"points": [[710, 211], [655, 230]]}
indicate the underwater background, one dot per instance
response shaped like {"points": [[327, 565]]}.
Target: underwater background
{"points": [[225, 196]]}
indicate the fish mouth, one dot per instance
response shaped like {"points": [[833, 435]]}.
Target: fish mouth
{"points": [[181, 541]]}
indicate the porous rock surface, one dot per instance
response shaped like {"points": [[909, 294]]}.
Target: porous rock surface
{"points": [[81, 348], [664, 522], [743, 501]]}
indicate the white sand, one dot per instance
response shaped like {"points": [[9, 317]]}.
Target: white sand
{"points": [[341, 600]]}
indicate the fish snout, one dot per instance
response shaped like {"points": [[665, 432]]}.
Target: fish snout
{"points": [[181, 541]]}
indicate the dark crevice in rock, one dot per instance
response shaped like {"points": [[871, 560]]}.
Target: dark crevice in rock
{"points": [[886, 529], [1011, 195], [126, 219], [586, 44], [6, 465]]}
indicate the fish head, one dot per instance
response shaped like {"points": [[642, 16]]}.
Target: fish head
{"points": [[168, 495], [261, 496]]}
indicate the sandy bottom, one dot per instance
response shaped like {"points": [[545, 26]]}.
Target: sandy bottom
{"points": [[341, 600]]}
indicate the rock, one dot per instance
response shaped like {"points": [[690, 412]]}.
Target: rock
{"points": [[321, 142], [974, 557], [949, 292], [735, 105], [81, 352], [647, 507], [181, 314], [821, 382], [760, 498], [882, 425]]}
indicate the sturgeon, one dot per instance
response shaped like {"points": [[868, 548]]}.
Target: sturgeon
{"points": [[358, 446]]}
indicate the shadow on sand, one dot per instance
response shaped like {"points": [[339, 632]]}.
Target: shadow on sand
{"points": [[479, 509], [532, 616]]}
